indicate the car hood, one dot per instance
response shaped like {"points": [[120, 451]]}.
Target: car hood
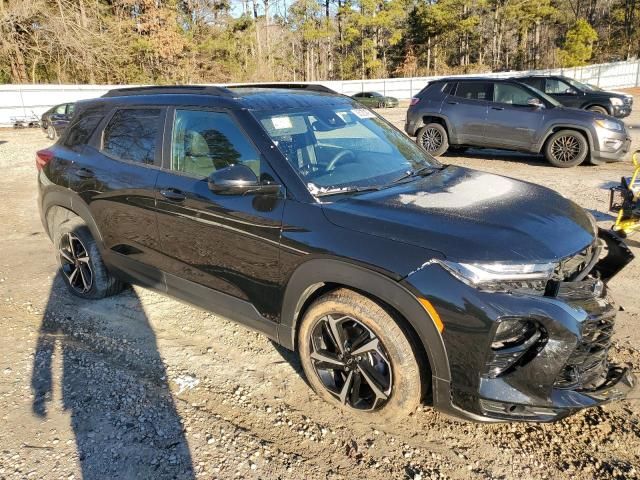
{"points": [[613, 93], [470, 215]]}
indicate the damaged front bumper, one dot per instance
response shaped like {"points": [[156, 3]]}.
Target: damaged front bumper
{"points": [[565, 367]]}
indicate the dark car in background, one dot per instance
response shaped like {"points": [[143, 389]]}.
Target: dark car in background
{"points": [[56, 119], [452, 113], [309, 218], [575, 94], [375, 100]]}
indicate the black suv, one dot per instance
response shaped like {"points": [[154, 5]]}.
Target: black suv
{"points": [[453, 113], [309, 218], [572, 93]]}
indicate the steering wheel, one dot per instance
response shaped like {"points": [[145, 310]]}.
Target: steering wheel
{"points": [[340, 157]]}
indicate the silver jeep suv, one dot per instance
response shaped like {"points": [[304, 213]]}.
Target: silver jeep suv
{"points": [[454, 113]]}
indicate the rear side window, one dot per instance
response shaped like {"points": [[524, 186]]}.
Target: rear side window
{"points": [[474, 90], [434, 87], [133, 135], [82, 127]]}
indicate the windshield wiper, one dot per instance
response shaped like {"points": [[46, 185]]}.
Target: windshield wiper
{"points": [[422, 171], [338, 191]]}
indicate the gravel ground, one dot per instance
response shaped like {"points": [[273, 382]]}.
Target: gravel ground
{"points": [[142, 386]]}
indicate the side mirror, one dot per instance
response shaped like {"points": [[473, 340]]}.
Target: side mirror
{"points": [[571, 91], [239, 179], [535, 102]]}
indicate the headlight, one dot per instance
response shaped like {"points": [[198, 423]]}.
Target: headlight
{"points": [[610, 125], [616, 101], [528, 278]]}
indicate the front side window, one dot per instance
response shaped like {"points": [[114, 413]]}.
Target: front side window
{"points": [[71, 107], [133, 134], [334, 147], [474, 90], [60, 109], [554, 86], [511, 94], [205, 141]]}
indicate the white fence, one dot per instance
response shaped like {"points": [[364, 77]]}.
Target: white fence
{"points": [[19, 101]]}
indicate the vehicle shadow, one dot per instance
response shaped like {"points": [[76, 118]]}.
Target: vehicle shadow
{"points": [[291, 358], [113, 383]]}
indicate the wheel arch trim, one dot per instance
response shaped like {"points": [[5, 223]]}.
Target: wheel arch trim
{"points": [[72, 202], [557, 126], [316, 273]]}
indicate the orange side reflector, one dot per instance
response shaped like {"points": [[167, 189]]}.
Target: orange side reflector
{"points": [[432, 313]]}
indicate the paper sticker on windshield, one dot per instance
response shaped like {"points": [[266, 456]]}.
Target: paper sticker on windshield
{"points": [[280, 123], [363, 113]]}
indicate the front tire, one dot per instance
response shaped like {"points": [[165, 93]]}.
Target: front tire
{"points": [[598, 109], [81, 265], [433, 138], [566, 148], [358, 358]]}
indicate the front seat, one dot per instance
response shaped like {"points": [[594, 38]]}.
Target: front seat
{"points": [[197, 157]]}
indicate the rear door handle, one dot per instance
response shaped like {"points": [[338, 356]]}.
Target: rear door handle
{"points": [[497, 108], [84, 173], [453, 103], [173, 194]]}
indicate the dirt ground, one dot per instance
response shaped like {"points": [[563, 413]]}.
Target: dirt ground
{"points": [[142, 386]]}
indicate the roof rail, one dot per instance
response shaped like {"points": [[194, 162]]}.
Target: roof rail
{"points": [[311, 87], [171, 90]]}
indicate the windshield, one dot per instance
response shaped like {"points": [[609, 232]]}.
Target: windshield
{"points": [[582, 86], [548, 98], [343, 147]]}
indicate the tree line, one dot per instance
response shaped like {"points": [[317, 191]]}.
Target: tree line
{"points": [[209, 41]]}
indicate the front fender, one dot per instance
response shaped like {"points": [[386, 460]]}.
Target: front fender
{"points": [[315, 273], [551, 129]]}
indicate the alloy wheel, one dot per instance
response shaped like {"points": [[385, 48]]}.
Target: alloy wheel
{"points": [[351, 362], [74, 260], [431, 139], [565, 148], [51, 132]]}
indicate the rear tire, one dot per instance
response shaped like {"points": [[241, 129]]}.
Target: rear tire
{"points": [[566, 148], [598, 109], [433, 138], [81, 265], [375, 374]]}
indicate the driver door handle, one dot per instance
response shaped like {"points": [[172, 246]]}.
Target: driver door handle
{"points": [[497, 108], [173, 194], [453, 103]]}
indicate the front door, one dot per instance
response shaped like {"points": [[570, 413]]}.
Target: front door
{"points": [[511, 121], [563, 92], [229, 243]]}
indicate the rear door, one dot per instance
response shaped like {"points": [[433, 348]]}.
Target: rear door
{"points": [[229, 243], [511, 121], [466, 111], [115, 175]]}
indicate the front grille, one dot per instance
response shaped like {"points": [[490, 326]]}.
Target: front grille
{"points": [[588, 366]]}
